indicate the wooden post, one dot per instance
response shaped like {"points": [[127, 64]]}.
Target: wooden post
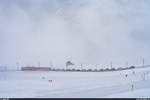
{"points": [[143, 62], [81, 66], [96, 66], [111, 65], [5, 68], [51, 65], [39, 65], [17, 64], [126, 64], [66, 67]]}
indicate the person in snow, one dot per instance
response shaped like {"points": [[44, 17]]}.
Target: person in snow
{"points": [[132, 87]]}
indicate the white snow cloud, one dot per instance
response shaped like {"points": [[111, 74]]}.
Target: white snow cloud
{"points": [[87, 31]]}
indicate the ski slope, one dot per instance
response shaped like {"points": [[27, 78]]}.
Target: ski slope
{"points": [[139, 93], [36, 84]]}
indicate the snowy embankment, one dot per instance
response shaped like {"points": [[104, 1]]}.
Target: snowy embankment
{"points": [[36, 84]]}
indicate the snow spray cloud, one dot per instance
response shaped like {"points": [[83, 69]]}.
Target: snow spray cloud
{"points": [[84, 31]]}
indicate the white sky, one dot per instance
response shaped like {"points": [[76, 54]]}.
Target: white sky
{"points": [[84, 31]]}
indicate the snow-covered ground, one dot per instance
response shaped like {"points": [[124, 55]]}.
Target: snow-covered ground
{"points": [[26, 84], [139, 93]]}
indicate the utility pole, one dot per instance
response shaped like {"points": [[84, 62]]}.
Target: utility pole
{"points": [[126, 64], [81, 66], [66, 67], [17, 64], [51, 65], [111, 65], [5, 68], [96, 66], [143, 61], [39, 65]]}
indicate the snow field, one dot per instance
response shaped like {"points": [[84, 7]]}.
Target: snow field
{"points": [[26, 84]]}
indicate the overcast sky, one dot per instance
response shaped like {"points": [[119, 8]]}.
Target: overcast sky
{"points": [[83, 31]]}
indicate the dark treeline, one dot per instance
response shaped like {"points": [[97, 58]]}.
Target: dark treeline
{"points": [[92, 70]]}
